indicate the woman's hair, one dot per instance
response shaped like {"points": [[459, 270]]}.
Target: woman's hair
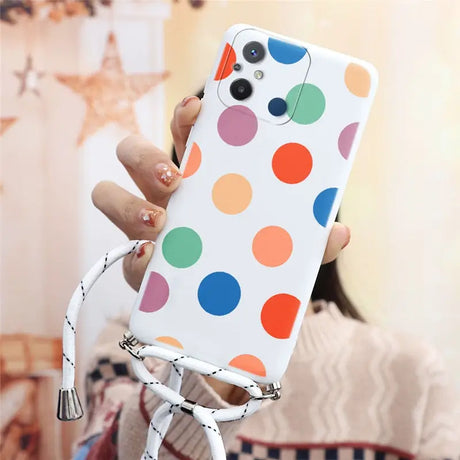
{"points": [[328, 285]]}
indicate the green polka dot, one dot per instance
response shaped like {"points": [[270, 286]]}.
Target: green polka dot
{"points": [[307, 107], [182, 247]]}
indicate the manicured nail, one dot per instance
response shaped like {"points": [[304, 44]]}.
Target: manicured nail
{"points": [[143, 249], [348, 239], [151, 217], [167, 174], [186, 100]]}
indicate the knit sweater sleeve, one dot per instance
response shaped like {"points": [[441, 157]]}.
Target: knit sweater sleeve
{"points": [[440, 431]]}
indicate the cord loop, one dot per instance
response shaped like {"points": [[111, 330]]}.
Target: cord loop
{"points": [[69, 407]]}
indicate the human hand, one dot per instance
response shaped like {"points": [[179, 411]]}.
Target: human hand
{"points": [[157, 178]]}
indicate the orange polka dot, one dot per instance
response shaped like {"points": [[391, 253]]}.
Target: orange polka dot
{"points": [[193, 162], [292, 163], [358, 80], [272, 246], [278, 315], [226, 63], [249, 363], [232, 194], [170, 341]]}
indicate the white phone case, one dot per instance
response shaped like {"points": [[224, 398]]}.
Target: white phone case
{"points": [[232, 272]]}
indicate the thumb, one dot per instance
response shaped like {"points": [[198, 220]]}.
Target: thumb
{"points": [[338, 238], [135, 264]]}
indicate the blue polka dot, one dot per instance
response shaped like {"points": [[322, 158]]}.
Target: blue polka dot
{"points": [[277, 106], [219, 293], [323, 205], [285, 52]]}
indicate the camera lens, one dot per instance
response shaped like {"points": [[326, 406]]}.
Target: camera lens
{"points": [[241, 89], [253, 52]]}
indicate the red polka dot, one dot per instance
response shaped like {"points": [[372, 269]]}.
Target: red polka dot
{"points": [[278, 315], [292, 163], [249, 363], [226, 63], [193, 162]]}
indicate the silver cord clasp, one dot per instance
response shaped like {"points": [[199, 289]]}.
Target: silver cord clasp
{"points": [[272, 391], [130, 344], [187, 406]]}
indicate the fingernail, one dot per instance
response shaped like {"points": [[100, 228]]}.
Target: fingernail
{"points": [[151, 217], [167, 174], [141, 251], [348, 239], [186, 100]]}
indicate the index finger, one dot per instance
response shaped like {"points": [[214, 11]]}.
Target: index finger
{"points": [[184, 118]]}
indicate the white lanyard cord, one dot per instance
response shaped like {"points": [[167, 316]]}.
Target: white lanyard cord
{"points": [[69, 406], [174, 402]]}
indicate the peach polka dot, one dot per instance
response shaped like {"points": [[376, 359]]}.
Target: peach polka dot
{"points": [[272, 246], [232, 194], [249, 363], [358, 80], [170, 341], [193, 162]]}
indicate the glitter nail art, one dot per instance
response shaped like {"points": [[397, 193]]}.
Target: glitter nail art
{"points": [[150, 217], [166, 174]]}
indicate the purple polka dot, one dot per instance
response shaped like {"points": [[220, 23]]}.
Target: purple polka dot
{"points": [[346, 139], [156, 293], [237, 125]]}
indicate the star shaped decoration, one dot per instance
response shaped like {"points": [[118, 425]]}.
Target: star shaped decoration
{"points": [[6, 123], [29, 78], [110, 93]]}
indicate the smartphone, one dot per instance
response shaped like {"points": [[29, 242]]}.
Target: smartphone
{"points": [[264, 171]]}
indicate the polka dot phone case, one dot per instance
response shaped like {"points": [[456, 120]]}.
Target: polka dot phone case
{"points": [[263, 174]]}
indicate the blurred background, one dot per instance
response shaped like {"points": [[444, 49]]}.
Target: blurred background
{"points": [[79, 75]]}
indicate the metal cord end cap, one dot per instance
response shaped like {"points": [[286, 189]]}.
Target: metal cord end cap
{"points": [[187, 406], [69, 407]]}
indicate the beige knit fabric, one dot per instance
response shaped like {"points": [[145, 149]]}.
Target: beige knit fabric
{"points": [[347, 382]]}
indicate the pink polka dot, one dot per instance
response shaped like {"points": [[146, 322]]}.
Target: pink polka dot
{"points": [[237, 125], [156, 293], [346, 139]]}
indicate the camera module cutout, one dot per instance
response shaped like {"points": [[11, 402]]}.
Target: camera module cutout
{"points": [[241, 89], [253, 52], [255, 71]]}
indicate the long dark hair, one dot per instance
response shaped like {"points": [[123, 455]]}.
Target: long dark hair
{"points": [[328, 285]]}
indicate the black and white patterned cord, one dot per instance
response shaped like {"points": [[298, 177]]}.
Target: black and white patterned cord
{"points": [[77, 299], [206, 417], [173, 400]]}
